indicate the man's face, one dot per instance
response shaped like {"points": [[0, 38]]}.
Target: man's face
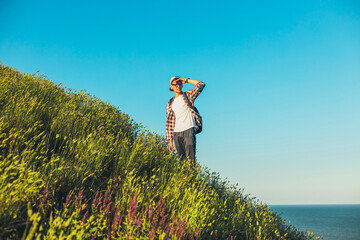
{"points": [[177, 86]]}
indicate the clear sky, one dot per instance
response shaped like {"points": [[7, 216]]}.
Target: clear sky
{"points": [[281, 102]]}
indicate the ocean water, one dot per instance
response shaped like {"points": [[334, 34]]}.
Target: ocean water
{"points": [[334, 222]]}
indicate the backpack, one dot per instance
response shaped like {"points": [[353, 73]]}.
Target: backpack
{"points": [[198, 119]]}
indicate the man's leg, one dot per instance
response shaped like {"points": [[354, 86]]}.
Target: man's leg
{"points": [[190, 144], [179, 145]]}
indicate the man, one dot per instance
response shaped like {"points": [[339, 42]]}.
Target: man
{"points": [[181, 118]]}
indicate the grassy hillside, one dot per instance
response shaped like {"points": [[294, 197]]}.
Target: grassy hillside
{"points": [[74, 167]]}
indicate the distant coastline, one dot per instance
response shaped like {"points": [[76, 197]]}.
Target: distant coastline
{"points": [[333, 221], [313, 204]]}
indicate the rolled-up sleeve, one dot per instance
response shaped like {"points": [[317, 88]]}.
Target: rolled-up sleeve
{"points": [[170, 122], [195, 92]]}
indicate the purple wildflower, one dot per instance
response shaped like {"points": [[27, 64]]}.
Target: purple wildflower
{"points": [[68, 201], [151, 215], [197, 233], [152, 232], [79, 198], [138, 223], [84, 217], [99, 200], [108, 207], [147, 210], [106, 196], [95, 198]]}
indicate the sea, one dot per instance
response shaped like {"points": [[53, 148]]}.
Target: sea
{"points": [[333, 222]]}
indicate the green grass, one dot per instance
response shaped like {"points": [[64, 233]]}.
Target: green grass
{"points": [[75, 167]]}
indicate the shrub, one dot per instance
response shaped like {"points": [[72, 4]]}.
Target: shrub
{"points": [[74, 167]]}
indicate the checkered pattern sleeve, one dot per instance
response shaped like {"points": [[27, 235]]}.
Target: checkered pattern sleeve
{"points": [[170, 122], [194, 93]]}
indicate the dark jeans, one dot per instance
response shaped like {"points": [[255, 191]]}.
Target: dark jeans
{"points": [[185, 144]]}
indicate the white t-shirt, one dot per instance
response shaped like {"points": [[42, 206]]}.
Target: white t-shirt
{"points": [[183, 117]]}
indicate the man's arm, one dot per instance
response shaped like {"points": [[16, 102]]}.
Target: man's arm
{"points": [[188, 80], [170, 127], [194, 93], [171, 146]]}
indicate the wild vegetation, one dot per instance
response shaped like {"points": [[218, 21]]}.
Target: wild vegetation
{"points": [[75, 167]]}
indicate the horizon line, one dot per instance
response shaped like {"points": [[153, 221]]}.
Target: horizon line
{"points": [[298, 204]]}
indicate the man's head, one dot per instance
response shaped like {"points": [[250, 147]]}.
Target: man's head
{"points": [[176, 84]]}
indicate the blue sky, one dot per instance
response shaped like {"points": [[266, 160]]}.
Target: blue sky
{"points": [[281, 103]]}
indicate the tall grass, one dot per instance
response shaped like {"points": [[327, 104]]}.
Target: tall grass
{"points": [[74, 167]]}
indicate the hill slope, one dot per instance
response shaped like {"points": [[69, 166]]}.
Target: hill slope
{"points": [[72, 166]]}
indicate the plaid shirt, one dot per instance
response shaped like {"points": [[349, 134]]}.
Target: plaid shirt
{"points": [[192, 94]]}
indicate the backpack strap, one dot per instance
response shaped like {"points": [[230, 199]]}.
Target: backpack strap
{"points": [[188, 101], [198, 119], [170, 101]]}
